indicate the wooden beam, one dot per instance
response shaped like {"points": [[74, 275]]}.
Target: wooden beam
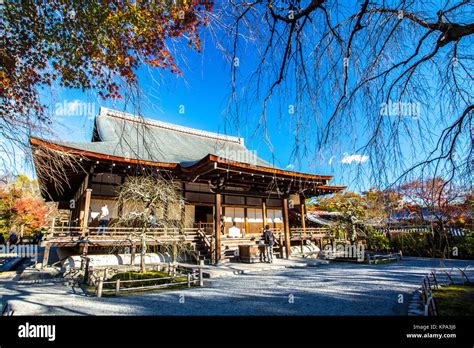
{"points": [[286, 224], [217, 227]]}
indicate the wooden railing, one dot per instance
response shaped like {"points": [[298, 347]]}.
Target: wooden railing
{"points": [[310, 232], [207, 227], [119, 233], [208, 241]]}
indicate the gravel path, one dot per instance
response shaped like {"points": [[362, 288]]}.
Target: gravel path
{"points": [[334, 289]]}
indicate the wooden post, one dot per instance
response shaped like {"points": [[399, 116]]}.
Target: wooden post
{"points": [[264, 211], [84, 248], [45, 256], [117, 286], [303, 222], [286, 225], [303, 215], [132, 254], [99, 287], [217, 227], [301, 243], [189, 280], [246, 221], [280, 242], [87, 205], [86, 271]]}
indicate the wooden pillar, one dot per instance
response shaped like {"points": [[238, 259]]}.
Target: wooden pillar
{"points": [[303, 214], [217, 227], [84, 248], [246, 221], [264, 211], [286, 224], [87, 205], [45, 255], [303, 222]]}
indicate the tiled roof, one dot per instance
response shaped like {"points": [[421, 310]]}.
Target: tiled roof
{"points": [[125, 135]]}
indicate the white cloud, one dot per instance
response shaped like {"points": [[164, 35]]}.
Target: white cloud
{"points": [[348, 159], [290, 166]]}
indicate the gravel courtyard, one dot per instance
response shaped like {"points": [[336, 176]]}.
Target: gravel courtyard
{"points": [[334, 289]]}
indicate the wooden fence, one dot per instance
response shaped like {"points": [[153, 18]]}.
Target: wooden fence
{"points": [[429, 302], [432, 282], [193, 276], [376, 258], [456, 232]]}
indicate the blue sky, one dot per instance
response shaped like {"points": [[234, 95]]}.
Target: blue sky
{"points": [[203, 90], [199, 99]]}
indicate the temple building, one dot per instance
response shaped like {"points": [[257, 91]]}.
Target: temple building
{"points": [[228, 191]]}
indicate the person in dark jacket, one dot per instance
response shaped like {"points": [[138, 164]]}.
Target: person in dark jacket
{"points": [[269, 240], [38, 236], [2, 238], [13, 239]]}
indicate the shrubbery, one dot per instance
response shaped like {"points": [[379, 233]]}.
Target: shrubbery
{"points": [[376, 241], [425, 244]]}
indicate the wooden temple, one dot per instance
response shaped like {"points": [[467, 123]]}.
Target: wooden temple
{"points": [[229, 193]]}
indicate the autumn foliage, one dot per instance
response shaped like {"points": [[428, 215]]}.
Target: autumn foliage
{"points": [[22, 210], [88, 45]]}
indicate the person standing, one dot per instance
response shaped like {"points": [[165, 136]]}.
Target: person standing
{"points": [[152, 220], [103, 219], [269, 240], [13, 239]]}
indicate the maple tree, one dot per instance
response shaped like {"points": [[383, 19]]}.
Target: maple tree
{"points": [[91, 45], [21, 207], [445, 201], [30, 213]]}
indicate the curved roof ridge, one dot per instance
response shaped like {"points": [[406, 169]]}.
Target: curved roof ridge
{"points": [[106, 112]]}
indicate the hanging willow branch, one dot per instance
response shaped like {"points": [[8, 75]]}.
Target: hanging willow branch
{"points": [[55, 166]]}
